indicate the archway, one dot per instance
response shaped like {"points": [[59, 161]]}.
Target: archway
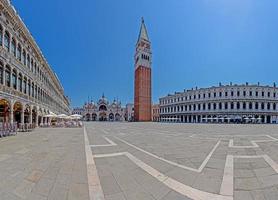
{"points": [[27, 113], [194, 119], [102, 116], [209, 118], [94, 117], [44, 119], [111, 117], [4, 111], [199, 119], [118, 117], [34, 115], [102, 108], [88, 117], [268, 119], [181, 118], [18, 109], [214, 119], [238, 119], [226, 119], [263, 119], [39, 116]]}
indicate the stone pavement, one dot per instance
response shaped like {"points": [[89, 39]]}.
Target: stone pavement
{"points": [[154, 161], [47, 164], [141, 161]]}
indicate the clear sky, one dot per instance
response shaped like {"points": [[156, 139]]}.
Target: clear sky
{"points": [[90, 43]]}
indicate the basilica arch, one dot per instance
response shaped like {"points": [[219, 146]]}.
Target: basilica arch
{"points": [[102, 116], [102, 108], [94, 117], [111, 117], [87, 117], [117, 117]]}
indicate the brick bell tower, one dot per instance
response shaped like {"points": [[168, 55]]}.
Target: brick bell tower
{"points": [[143, 77]]}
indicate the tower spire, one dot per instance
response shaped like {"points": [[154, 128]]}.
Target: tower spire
{"points": [[143, 31], [142, 90]]}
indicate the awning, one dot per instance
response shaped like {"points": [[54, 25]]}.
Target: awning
{"points": [[76, 116], [63, 116]]}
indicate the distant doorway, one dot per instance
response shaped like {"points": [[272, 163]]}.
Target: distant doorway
{"points": [[268, 119], [111, 117], [88, 117], [102, 117], [94, 117]]}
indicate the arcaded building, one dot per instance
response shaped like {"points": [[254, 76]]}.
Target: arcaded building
{"points": [[222, 104], [155, 113], [143, 77], [102, 110], [29, 88]]}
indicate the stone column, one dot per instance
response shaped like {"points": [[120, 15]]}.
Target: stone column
{"points": [[31, 115], [4, 75], [11, 76], [16, 43], [11, 114], [37, 119], [10, 43], [3, 33], [22, 115]]}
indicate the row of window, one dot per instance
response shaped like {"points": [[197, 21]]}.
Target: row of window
{"points": [[10, 78], [11, 45], [14, 47], [220, 106], [221, 94]]}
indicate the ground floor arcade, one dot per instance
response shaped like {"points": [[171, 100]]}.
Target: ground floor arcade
{"points": [[220, 118], [20, 113]]}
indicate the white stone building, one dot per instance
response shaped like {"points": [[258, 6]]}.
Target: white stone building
{"points": [[223, 104], [78, 111], [101, 111], [29, 88], [129, 112]]}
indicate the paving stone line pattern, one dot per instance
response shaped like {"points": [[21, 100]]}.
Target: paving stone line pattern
{"points": [[141, 161], [242, 166]]}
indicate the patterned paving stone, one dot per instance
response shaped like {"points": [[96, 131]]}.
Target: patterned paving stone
{"points": [[142, 161], [182, 152]]}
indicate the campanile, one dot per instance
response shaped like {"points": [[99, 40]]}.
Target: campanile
{"points": [[143, 77]]}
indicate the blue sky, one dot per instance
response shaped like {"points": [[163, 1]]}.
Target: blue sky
{"points": [[90, 43]]}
